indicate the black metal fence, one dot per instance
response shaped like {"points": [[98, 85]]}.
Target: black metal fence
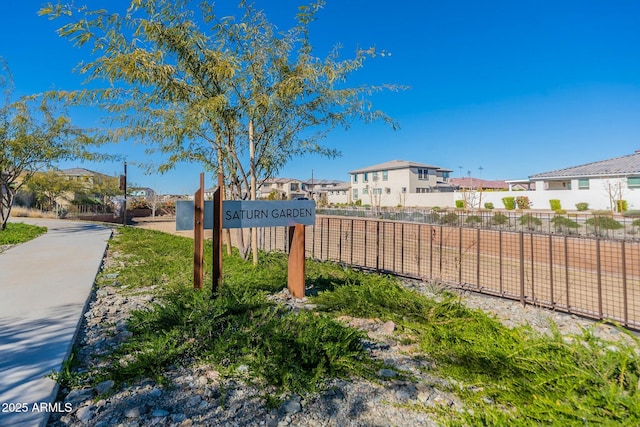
{"points": [[589, 276], [596, 224]]}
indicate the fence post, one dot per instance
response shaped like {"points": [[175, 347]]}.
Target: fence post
{"points": [[599, 272], [521, 233], [198, 235], [625, 302]]}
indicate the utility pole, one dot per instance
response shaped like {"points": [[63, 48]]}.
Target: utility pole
{"points": [[124, 188]]}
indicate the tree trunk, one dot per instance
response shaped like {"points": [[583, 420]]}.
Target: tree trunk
{"points": [[252, 160]]}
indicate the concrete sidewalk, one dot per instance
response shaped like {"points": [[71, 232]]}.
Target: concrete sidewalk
{"points": [[44, 287]]}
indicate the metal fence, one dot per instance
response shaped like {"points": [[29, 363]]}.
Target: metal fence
{"points": [[589, 276], [596, 224]]}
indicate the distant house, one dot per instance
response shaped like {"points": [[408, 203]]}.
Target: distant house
{"points": [[385, 184], [600, 184], [282, 189], [88, 178], [471, 183], [328, 190], [143, 193]]}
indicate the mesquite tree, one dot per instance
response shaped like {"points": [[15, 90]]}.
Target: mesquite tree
{"points": [[192, 84], [34, 133]]}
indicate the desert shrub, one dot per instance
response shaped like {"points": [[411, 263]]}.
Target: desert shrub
{"points": [[582, 206], [621, 205], [509, 203], [555, 204], [523, 202], [460, 204], [562, 223], [603, 224], [530, 221], [450, 219], [488, 205], [473, 220], [500, 219]]}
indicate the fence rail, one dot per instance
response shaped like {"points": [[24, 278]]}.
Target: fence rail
{"points": [[598, 224], [589, 276]]}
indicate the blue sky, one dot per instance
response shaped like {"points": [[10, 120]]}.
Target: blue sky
{"points": [[503, 89]]}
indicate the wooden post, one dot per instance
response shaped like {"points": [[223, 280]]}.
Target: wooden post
{"points": [[216, 279], [296, 270], [198, 236]]}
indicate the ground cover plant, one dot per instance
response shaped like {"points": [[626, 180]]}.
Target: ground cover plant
{"points": [[18, 232], [504, 376]]}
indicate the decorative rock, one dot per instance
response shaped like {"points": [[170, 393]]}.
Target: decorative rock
{"points": [[159, 413], [75, 397], [387, 373], [104, 387], [388, 327], [132, 412], [85, 413]]}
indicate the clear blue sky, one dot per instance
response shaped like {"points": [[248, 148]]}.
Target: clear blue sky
{"points": [[512, 87]]}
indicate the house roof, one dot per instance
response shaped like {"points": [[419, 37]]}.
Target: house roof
{"points": [[618, 166], [469, 182], [398, 164], [81, 172]]}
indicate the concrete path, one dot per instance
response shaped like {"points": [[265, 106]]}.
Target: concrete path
{"points": [[44, 287]]}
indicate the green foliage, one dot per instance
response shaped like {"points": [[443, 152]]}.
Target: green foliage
{"points": [[192, 83], [631, 214], [18, 232], [499, 219], [530, 221], [604, 223], [635, 223], [509, 203], [460, 204], [34, 133], [292, 352], [504, 376], [582, 206], [523, 202], [450, 218], [562, 223], [555, 204], [473, 220], [621, 205], [488, 205]]}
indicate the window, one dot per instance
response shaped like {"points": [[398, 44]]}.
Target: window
{"points": [[294, 187], [445, 175], [423, 173], [385, 175], [365, 177], [365, 190], [377, 191], [375, 176], [633, 182], [355, 178], [355, 194], [583, 184]]}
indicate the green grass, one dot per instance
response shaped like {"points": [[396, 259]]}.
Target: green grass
{"points": [[18, 232], [504, 376]]}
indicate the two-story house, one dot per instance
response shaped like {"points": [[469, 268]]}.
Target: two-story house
{"points": [[282, 189], [386, 183]]}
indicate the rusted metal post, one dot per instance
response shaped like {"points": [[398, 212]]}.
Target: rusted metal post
{"points": [[296, 268], [216, 278], [198, 236]]}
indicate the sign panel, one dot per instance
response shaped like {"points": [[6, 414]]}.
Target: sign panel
{"points": [[249, 213]]}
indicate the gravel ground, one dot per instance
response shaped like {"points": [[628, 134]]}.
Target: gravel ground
{"points": [[199, 396]]}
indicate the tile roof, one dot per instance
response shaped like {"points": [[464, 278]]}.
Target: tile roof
{"points": [[468, 182], [398, 164], [623, 165]]}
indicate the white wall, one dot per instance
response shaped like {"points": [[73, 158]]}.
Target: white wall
{"points": [[596, 196]]}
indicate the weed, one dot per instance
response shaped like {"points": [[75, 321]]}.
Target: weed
{"points": [[18, 232]]}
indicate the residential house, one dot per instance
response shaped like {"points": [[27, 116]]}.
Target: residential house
{"points": [[143, 193], [600, 184], [92, 183], [282, 189], [328, 191], [471, 183], [397, 182]]}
